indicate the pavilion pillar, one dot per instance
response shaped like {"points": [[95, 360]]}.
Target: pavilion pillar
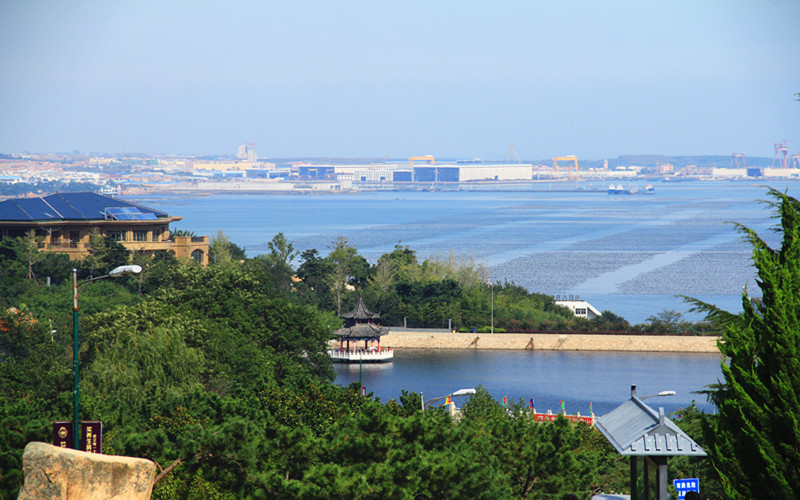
{"points": [[661, 478]]}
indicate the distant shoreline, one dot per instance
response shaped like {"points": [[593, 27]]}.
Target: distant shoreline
{"points": [[400, 338]]}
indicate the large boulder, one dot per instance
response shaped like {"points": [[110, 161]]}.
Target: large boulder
{"points": [[64, 474]]}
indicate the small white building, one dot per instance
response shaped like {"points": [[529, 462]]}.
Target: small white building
{"points": [[580, 308]]}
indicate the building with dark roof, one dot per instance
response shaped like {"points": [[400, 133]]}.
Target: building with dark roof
{"points": [[361, 325], [63, 223]]}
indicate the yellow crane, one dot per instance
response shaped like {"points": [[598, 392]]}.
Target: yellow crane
{"points": [[429, 158], [512, 150], [572, 169]]}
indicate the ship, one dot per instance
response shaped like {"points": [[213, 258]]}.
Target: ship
{"points": [[618, 189]]}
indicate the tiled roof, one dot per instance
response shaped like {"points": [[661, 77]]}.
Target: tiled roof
{"points": [[361, 312], [633, 428], [361, 331], [66, 206]]}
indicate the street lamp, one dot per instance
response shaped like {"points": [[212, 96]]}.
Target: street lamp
{"points": [[76, 289], [460, 392], [662, 393], [491, 286]]}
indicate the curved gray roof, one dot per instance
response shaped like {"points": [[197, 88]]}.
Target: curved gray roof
{"points": [[361, 331], [633, 428], [361, 312]]}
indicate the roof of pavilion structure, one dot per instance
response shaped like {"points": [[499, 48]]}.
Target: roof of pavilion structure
{"points": [[360, 312], [361, 331], [359, 325], [633, 428]]}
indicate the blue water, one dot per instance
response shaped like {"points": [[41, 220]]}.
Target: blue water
{"points": [[579, 378], [628, 254]]}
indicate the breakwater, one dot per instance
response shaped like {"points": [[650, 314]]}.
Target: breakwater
{"points": [[399, 338]]}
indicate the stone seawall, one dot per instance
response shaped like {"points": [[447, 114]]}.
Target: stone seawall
{"points": [[442, 339]]}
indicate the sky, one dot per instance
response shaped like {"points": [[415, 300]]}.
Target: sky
{"points": [[371, 79]]}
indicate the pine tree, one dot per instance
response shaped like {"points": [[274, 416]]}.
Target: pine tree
{"points": [[756, 441]]}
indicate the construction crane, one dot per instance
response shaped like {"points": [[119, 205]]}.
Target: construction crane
{"points": [[572, 172], [512, 150], [383, 160], [738, 160], [429, 158], [781, 149], [795, 161]]}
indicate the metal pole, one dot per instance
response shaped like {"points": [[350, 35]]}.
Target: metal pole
{"points": [[491, 285], [76, 423]]}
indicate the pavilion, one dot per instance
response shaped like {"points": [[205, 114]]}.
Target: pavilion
{"points": [[638, 431], [361, 325]]}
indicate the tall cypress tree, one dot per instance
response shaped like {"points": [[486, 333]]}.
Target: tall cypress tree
{"points": [[755, 444]]}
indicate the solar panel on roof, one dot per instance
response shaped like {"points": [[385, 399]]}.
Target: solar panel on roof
{"points": [[129, 213]]}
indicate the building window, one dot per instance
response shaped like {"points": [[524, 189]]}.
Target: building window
{"points": [[198, 256], [580, 311], [140, 236], [117, 235]]}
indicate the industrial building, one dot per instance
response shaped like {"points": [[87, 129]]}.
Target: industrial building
{"points": [[472, 173]]}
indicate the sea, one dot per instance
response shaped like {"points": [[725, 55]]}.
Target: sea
{"points": [[634, 255]]}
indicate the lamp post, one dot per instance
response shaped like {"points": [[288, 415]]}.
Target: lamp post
{"points": [[491, 286], [76, 289], [662, 393], [460, 392]]}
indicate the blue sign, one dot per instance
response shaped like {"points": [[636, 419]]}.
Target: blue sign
{"points": [[686, 485]]}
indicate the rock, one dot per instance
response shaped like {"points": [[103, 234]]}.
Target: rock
{"points": [[65, 474]]}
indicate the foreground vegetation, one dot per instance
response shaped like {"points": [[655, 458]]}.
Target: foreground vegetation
{"points": [[220, 376]]}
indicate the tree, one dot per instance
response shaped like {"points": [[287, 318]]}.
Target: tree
{"points": [[222, 250], [105, 253], [278, 262], [754, 444], [347, 268], [667, 321], [281, 252]]}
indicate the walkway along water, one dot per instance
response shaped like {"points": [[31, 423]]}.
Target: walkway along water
{"points": [[399, 338]]}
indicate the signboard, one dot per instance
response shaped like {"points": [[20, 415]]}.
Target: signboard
{"points": [[551, 417], [684, 486], [91, 439]]}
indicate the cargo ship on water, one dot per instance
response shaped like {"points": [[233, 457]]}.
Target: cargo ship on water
{"points": [[618, 189]]}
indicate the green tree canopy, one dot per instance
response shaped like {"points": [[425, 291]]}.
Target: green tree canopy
{"points": [[755, 443]]}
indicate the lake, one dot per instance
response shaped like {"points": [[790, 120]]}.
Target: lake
{"points": [[628, 254], [579, 378]]}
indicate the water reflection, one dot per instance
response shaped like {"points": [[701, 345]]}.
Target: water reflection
{"points": [[578, 378]]}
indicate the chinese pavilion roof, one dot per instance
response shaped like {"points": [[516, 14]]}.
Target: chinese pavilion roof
{"points": [[360, 312], [359, 324], [361, 331]]}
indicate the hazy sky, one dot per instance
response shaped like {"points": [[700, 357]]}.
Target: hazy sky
{"points": [[373, 78]]}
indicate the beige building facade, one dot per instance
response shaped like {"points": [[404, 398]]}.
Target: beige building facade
{"points": [[65, 222]]}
